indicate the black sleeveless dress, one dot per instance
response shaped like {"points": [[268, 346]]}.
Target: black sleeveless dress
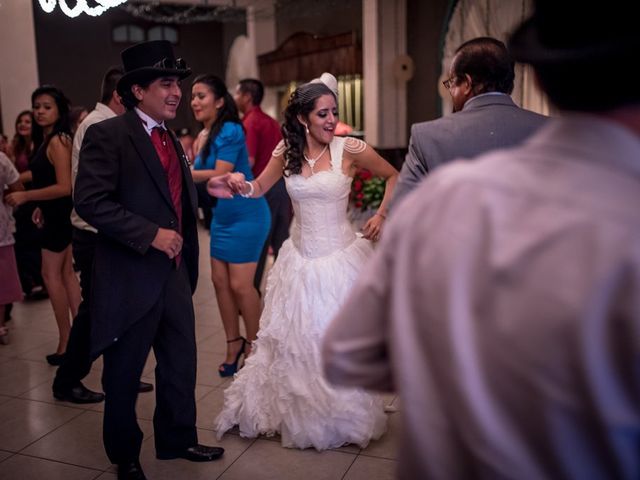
{"points": [[56, 234]]}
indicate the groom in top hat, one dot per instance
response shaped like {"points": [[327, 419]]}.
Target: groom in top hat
{"points": [[134, 186]]}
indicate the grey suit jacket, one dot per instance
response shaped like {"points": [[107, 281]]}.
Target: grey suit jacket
{"points": [[486, 122]]}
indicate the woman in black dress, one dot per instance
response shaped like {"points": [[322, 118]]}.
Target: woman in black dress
{"points": [[50, 169]]}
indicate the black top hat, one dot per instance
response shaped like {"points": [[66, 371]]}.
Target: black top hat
{"points": [[577, 31], [150, 60]]}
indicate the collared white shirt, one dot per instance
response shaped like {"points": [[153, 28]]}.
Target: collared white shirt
{"points": [[147, 122]]}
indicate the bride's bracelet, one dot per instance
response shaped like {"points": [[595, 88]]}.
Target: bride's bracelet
{"points": [[384, 217], [247, 195]]}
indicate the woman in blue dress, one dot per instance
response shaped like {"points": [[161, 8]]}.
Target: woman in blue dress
{"points": [[240, 225]]}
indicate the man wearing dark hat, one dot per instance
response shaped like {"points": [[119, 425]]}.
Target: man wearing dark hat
{"points": [[67, 384], [503, 303], [134, 186]]}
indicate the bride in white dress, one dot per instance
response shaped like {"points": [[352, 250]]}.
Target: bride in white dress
{"points": [[281, 388]]}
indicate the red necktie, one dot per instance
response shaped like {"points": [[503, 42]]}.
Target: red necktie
{"points": [[171, 165]]}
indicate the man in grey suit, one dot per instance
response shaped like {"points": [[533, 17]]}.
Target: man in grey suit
{"points": [[485, 117]]}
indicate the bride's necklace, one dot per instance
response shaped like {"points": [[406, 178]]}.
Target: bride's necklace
{"points": [[312, 161]]}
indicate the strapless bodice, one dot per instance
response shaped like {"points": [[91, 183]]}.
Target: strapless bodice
{"points": [[320, 202]]}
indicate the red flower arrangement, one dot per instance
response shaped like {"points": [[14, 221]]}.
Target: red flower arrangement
{"points": [[367, 191]]}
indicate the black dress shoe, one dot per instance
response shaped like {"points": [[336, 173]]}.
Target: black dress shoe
{"points": [[79, 394], [130, 471], [55, 359], [197, 453], [145, 387]]}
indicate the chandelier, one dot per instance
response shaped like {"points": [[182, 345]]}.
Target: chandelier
{"points": [[81, 6]]}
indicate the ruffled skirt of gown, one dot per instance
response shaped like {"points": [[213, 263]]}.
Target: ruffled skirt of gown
{"points": [[281, 388]]}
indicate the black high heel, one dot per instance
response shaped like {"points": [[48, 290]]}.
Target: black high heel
{"points": [[229, 369]]}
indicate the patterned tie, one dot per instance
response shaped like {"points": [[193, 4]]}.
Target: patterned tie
{"points": [[171, 165]]}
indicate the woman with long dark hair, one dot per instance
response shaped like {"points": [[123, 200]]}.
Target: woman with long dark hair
{"points": [[240, 225], [50, 169], [281, 389]]}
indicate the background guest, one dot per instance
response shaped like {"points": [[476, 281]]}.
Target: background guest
{"points": [[10, 290], [50, 172], [240, 225], [22, 143], [480, 83]]}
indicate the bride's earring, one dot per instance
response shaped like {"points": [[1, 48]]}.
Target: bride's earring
{"points": [[306, 128]]}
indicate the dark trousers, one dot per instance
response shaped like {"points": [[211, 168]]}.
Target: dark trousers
{"points": [[170, 329], [281, 215], [27, 248], [77, 362]]}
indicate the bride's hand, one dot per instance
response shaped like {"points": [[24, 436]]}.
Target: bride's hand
{"points": [[237, 182], [373, 228]]}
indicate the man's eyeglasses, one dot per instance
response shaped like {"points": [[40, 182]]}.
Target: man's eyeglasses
{"points": [[171, 64], [449, 82]]}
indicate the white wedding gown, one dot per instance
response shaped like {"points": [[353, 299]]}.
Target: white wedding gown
{"points": [[281, 388]]}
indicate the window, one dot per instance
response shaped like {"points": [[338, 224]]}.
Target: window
{"points": [[163, 32], [127, 34]]}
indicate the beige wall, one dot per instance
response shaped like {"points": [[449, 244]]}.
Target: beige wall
{"points": [[425, 28], [19, 68]]}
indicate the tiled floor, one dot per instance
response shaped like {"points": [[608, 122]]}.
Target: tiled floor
{"points": [[41, 438]]}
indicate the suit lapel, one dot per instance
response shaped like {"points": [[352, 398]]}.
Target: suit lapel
{"points": [[146, 151]]}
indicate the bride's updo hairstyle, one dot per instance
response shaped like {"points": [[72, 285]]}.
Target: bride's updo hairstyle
{"points": [[302, 102]]}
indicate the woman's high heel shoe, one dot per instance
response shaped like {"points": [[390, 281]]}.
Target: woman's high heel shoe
{"points": [[229, 369]]}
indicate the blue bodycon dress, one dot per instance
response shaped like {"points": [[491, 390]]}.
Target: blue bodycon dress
{"points": [[240, 225]]}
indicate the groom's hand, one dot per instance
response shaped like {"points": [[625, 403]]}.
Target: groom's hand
{"points": [[168, 241], [219, 186]]}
